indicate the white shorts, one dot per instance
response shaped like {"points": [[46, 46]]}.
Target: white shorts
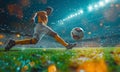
{"points": [[40, 30]]}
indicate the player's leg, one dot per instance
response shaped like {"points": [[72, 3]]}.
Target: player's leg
{"points": [[12, 43], [38, 34], [26, 41], [59, 39], [33, 40]]}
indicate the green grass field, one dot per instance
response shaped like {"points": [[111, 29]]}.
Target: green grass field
{"points": [[60, 60]]}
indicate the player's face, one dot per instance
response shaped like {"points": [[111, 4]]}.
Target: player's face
{"points": [[48, 11]]}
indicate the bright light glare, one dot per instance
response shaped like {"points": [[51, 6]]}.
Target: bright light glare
{"points": [[68, 17], [101, 3], [64, 19], [76, 14], [81, 11], [107, 1], [90, 8], [71, 16], [96, 6]]}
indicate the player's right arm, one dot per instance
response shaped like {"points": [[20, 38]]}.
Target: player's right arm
{"points": [[33, 17]]}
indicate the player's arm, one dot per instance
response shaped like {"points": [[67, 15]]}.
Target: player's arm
{"points": [[33, 17]]}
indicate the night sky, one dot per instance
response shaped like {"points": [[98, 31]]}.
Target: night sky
{"points": [[101, 25]]}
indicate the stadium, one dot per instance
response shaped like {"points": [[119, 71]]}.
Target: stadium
{"points": [[97, 51]]}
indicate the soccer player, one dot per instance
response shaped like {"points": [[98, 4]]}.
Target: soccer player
{"points": [[40, 20]]}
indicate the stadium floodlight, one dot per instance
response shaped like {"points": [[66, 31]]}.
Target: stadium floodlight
{"points": [[75, 14], [78, 13], [101, 3], [64, 19], [71, 16], [90, 8], [68, 17], [81, 11], [96, 6], [107, 1]]}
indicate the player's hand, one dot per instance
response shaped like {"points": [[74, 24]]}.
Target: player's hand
{"points": [[32, 20]]}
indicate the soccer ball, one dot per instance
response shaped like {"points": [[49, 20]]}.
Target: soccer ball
{"points": [[77, 33]]}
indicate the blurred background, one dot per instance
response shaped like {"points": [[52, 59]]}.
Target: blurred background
{"points": [[100, 20]]}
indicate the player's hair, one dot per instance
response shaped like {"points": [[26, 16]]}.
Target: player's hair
{"points": [[50, 8]]}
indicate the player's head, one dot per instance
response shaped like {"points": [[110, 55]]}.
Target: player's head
{"points": [[49, 10]]}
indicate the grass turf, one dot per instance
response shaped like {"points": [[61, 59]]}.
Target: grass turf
{"points": [[60, 60]]}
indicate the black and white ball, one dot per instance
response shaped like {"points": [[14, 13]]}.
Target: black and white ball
{"points": [[77, 33]]}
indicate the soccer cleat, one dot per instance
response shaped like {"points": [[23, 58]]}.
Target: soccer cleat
{"points": [[71, 45], [9, 45]]}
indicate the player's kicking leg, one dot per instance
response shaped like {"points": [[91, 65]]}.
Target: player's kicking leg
{"points": [[59, 39], [71, 45]]}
